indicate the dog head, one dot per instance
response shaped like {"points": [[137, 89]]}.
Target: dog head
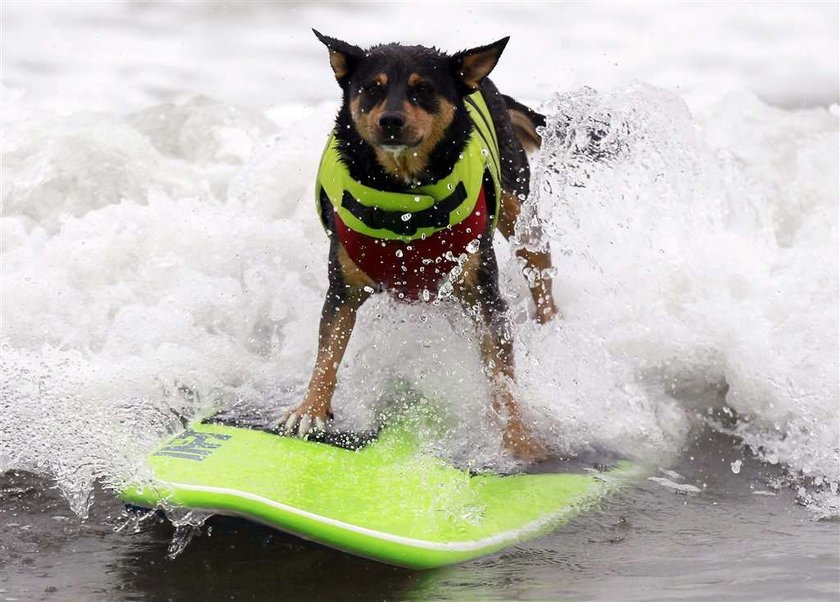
{"points": [[401, 99]]}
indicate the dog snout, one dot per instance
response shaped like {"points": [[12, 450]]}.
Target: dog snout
{"points": [[392, 123]]}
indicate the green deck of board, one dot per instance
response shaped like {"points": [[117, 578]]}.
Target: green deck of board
{"points": [[386, 501]]}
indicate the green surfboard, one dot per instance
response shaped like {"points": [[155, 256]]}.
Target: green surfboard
{"points": [[386, 500]]}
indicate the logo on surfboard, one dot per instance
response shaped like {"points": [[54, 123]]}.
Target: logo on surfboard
{"points": [[192, 445]]}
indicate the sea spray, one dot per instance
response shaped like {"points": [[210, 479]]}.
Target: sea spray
{"points": [[705, 247]]}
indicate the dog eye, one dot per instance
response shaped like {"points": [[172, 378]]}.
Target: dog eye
{"points": [[421, 91], [423, 88], [371, 89]]}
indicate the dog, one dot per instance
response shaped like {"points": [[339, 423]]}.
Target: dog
{"points": [[427, 159]]}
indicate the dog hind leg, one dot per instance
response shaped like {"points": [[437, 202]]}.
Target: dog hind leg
{"points": [[516, 125], [537, 262]]}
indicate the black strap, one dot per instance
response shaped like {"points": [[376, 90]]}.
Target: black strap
{"points": [[436, 216]]}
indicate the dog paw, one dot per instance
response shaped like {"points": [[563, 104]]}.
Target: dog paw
{"points": [[302, 421], [546, 313], [528, 451], [519, 442]]}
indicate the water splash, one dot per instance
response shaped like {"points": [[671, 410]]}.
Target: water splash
{"points": [[705, 247], [188, 524]]}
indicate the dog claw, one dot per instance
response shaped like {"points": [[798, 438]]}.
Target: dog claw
{"points": [[290, 423], [297, 422], [303, 427]]}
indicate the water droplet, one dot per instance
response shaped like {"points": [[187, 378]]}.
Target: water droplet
{"points": [[368, 289], [398, 253], [405, 217], [472, 247], [736, 466]]}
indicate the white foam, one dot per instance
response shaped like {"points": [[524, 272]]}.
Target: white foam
{"points": [[708, 248]]}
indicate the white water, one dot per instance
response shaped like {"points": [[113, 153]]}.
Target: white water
{"points": [[161, 256]]}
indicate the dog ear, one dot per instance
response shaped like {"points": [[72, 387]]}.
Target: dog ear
{"points": [[344, 57], [473, 65]]}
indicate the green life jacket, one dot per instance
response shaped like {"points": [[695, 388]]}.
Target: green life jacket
{"points": [[407, 216]]}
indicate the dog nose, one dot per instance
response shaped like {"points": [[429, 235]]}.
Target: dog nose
{"points": [[391, 122]]}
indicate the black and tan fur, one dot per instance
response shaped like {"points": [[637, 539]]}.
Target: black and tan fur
{"points": [[403, 122]]}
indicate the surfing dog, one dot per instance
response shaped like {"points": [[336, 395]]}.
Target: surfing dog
{"points": [[427, 159]]}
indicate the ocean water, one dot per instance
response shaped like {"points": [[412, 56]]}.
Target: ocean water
{"points": [[161, 258]]}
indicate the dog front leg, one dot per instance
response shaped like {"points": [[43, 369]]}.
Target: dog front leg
{"points": [[338, 317]]}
